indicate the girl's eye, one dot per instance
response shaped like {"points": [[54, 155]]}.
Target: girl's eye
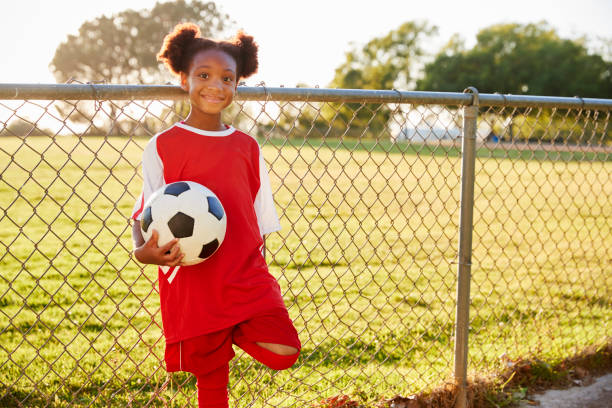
{"points": [[228, 79], [203, 75]]}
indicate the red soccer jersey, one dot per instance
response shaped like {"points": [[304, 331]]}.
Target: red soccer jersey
{"points": [[234, 284]]}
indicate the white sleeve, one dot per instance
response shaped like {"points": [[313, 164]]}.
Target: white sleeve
{"points": [[267, 218], [152, 176]]}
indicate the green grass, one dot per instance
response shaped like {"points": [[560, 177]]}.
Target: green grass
{"points": [[515, 151], [366, 261]]}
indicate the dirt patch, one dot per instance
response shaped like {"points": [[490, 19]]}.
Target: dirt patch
{"points": [[518, 383], [598, 394]]}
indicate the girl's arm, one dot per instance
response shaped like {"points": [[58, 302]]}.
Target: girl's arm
{"points": [[149, 253]]}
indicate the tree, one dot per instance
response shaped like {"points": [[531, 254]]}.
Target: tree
{"points": [[122, 48], [383, 63], [23, 128], [520, 59]]}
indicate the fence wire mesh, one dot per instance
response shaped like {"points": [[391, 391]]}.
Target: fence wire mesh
{"points": [[368, 195]]}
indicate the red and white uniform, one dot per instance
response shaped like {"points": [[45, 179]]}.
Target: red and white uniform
{"points": [[234, 284]]}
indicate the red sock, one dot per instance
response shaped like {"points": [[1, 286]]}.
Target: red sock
{"points": [[212, 388]]}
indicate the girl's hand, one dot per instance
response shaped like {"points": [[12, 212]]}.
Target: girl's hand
{"points": [[150, 253]]}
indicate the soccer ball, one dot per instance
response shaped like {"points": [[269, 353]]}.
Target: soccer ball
{"points": [[190, 212]]}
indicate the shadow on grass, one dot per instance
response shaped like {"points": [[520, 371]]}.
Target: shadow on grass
{"points": [[134, 392], [388, 349], [10, 397]]}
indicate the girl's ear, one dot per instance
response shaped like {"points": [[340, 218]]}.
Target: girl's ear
{"points": [[184, 83]]}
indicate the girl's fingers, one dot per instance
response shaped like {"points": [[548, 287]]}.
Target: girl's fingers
{"points": [[174, 251], [177, 260], [169, 246], [154, 237], [173, 255]]}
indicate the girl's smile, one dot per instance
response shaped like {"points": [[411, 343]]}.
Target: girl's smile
{"points": [[213, 99]]}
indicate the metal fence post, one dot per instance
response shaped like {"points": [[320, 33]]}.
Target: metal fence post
{"points": [[468, 161]]}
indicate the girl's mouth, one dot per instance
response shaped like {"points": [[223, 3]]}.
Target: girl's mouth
{"points": [[213, 99]]}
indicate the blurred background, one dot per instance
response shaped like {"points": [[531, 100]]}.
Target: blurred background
{"points": [[544, 47]]}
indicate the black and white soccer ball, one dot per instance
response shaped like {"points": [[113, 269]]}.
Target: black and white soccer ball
{"points": [[190, 212]]}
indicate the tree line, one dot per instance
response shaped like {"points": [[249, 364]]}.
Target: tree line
{"points": [[507, 58]]}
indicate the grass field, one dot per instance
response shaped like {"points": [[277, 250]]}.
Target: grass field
{"points": [[366, 261]]}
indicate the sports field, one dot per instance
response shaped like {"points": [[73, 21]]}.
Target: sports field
{"points": [[366, 261]]}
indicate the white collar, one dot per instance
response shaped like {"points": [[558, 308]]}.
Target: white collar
{"points": [[226, 132]]}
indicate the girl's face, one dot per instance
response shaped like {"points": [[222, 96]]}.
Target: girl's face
{"points": [[211, 83]]}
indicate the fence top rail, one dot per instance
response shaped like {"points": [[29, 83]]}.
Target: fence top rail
{"points": [[16, 91]]}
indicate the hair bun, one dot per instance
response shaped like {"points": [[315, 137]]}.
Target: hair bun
{"points": [[175, 45], [248, 54], [186, 32]]}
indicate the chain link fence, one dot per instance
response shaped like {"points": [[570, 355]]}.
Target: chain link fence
{"points": [[368, 185]]}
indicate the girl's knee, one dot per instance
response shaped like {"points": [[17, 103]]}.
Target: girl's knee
{"points": [[283, 361], [279, 349], [268, 357], [278, 356]]}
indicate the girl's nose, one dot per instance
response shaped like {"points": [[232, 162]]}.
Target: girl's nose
{"points": [[215, 84]]}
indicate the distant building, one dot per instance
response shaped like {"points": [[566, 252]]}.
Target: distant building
{"points": [[484, 133], [422, 135]]}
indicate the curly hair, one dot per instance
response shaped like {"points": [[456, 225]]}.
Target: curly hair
{"points": [[185, 41]]}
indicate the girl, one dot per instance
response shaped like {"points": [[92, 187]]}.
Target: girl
{"points": [[230, 298]]}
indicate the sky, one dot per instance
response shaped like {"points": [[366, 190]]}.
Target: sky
{"points": [[300, 42]]}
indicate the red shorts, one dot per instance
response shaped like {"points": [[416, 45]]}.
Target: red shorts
{"points": [[204, 354]]}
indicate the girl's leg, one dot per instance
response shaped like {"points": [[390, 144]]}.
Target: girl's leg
{"points": [[270, 338], [269, 358], [281, 349], [212, 388], [207, 357]]}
